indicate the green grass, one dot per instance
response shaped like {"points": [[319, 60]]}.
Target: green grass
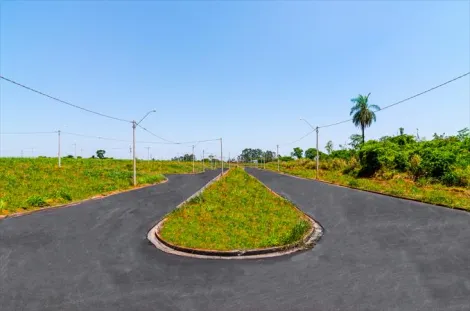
{"points": [[235, 213], [400, 185], [30, 183]]}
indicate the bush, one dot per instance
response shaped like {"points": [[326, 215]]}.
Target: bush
{"points": [[286, 159], [338, 164], [437, 163], [415, 166], [36, 201]]}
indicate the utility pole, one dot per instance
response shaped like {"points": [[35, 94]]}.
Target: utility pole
{"points": [[148, 152], [277, 152], [264, 161], [75, 150], [221, 157], [81, 152], [229, 160], [193, 159], [317, 152], [203, 169], [134, 125], [21, 152], [58, 152]]}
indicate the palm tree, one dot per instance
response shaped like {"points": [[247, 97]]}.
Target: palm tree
{"points": [[363, 113]]}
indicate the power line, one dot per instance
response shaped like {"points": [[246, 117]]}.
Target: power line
{"points": [[153, 134], [62, 101], [170, 142], [26, 133], [297, 140], [386, 107], [404, 100], [99, 137]]}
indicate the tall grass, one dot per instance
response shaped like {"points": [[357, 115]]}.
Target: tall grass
{"points": [[235, 213], [387, 182], [28, 183]]}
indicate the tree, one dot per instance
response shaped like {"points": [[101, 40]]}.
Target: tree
{"points": [[269, 155], [402, 131], [100, 153], [311, 153], [355, 141], [297, 153], [363, 113], [329, 147], [463, 134]]}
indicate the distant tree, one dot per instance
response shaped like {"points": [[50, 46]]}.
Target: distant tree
{"points": [[363, 113], [355, 141], [311, 153], [69, 156], [297, 153], [269, 155], [329, 147], [100, 153], [402, 131], [463, 134]]}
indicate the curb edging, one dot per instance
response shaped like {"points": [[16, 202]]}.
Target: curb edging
{"points": [[308, 241]]}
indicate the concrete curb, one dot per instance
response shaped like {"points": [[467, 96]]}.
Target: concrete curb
{"points": [[308, 241], [370, 191], [96, 197]]}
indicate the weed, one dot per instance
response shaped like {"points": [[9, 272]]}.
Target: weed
{"points": [[36, 201], [236, 212]]}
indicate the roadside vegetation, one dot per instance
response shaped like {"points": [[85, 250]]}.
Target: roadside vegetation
{"points": [[434, 171], [235, 213], [31, 183]]}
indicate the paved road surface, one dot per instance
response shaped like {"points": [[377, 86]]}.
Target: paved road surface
{"points": [[377, 253]]}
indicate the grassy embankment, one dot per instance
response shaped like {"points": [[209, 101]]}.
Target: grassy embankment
{"points": [[31, 183], [400, 185], [235, 213]]}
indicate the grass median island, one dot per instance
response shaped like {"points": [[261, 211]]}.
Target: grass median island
{"points": [[235, 213], [32, 183]]}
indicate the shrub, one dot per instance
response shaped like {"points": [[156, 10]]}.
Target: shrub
{"points": [[65, 195], [437, 163], [338, 164], [36, 201], [415, 166]]}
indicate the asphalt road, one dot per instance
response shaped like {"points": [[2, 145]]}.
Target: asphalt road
{"points": [[377, 253]]}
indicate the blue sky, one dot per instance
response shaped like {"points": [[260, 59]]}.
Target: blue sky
{"points": [[244, 71]]}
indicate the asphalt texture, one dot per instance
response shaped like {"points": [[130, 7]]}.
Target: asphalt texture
{"points": [[377, 253]]}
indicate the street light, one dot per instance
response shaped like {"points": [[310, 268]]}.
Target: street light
{"points": [[315, 129], [134, 125]]}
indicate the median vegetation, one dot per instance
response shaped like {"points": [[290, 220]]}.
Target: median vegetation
{"points": [[31, 183], [235, 213]]}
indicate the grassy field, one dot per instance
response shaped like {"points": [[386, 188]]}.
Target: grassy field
{"points": [[235, 213], [398, 185], [31, 183]]}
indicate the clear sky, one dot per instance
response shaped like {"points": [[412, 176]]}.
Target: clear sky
{"points": [[244, 71]]}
